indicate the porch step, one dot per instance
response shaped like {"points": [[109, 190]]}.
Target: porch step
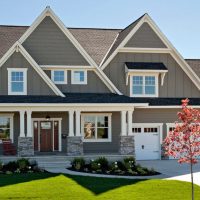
{"points": [[54, 164]]}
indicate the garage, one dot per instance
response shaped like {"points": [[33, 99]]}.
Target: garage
{"points": [[147, 141]]}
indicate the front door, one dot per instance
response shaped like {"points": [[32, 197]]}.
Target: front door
{"points": [[46, 136]]}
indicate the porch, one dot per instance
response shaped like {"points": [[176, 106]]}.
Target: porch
{"points": [[60, 130]]}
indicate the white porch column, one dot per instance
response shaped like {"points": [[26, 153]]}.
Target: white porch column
{"points": [[130, 121], [21, 112], [29, 123], [123, 123], [78, 128], [71, 123]]}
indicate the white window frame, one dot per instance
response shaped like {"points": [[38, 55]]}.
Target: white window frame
{"points": [[10, 70], [109, 115], [59, 82], [156, 75], [10, 116], [79, 82]]}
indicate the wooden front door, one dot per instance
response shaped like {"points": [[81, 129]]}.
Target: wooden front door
{"points": [[46, 136]]}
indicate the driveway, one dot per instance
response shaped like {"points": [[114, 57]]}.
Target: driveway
{"points": [[172, 170]]}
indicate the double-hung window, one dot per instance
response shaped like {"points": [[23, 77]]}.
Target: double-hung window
{"points": [[96, 127], [79, 77], [17, 81], [59, 76], [6, 127], [144, 85]]}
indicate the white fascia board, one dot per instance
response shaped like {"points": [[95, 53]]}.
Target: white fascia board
{"points": [[134, 30], [55, 18], [70, 67], [40, 71], [143, 50], [172, 50], [145, 71], [179, 107]]}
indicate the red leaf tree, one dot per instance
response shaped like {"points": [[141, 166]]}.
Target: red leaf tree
{"points": [[184, 141]]}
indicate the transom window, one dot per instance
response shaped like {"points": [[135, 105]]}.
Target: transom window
{"points": [[6, 127], [144, 85], [96, 127], [79, 77], [59, 76], [17, 81]]}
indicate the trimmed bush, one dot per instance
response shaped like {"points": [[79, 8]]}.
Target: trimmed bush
{"points": [[95, 166], [103, 162], [78, 163], [23, 164], [1, 166], [129, 162], [11, 166]]}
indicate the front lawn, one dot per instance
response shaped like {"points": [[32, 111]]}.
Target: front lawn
{"points": [[58, 186]]}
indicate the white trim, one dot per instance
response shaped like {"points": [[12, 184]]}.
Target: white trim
{"points": [[172, 50], [68, 67], [48, 12], [21, 117], [59, 82], [59, 131], [11, 117], [143, 50], [173, 107], [27, 56], [109, 115], [24, 70], [74, 82], [144, 75]]}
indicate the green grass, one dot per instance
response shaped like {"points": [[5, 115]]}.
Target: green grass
{"points": [[58, 186]]}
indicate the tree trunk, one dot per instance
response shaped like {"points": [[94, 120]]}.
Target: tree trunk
{"points": [[191, 171]]}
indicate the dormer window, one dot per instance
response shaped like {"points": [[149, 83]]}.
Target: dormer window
{"points": [[144, 78], [17, 81], [144, 85]]}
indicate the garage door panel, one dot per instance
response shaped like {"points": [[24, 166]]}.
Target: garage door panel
{"points": [[147, 144]]}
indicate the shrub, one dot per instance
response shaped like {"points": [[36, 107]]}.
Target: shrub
{"points": [[129, 162], [95, 166], [23, 164], [114, 166], [1, 166], [103, 162], [78, 163], [11, 166], [121, 165], [140, 170]]}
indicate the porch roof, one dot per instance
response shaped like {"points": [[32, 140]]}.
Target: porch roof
{"points": [[94, 98]]}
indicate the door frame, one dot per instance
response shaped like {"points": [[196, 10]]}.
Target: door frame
{"points": [[151, 125], [59, 131]]}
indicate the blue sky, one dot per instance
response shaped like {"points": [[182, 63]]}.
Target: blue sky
{"points": [[178, 19]]}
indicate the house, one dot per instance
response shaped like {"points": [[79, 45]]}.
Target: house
{"points": [[80, 91]]}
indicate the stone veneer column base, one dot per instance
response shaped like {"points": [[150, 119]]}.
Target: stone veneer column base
{"points": [[127, 145], [74, 146], [25, 146]]}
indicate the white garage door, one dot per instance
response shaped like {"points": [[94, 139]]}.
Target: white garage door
{"points": [[147, 143]]}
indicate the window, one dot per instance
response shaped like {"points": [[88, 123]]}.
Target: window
{"points": [[6, 127], [59, 76], [79, 77], [142, 85], [17, 81], [96, 127]]}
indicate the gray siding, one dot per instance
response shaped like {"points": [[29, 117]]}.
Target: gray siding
{"points": [[156, 116], [35, 84], [94, 84], [106, 147], [176, 82], [49, 46], [145, 37]]}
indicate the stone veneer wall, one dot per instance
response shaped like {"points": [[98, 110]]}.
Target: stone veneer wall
{"points": [[25, 146], [74, 146], [127, 145]]}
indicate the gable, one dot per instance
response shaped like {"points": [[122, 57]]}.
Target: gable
{"points": [[176, 82], [48, 45], [145, 37], [35, 84]]}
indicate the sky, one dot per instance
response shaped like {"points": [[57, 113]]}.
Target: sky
{"points": [[178, 19]]}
